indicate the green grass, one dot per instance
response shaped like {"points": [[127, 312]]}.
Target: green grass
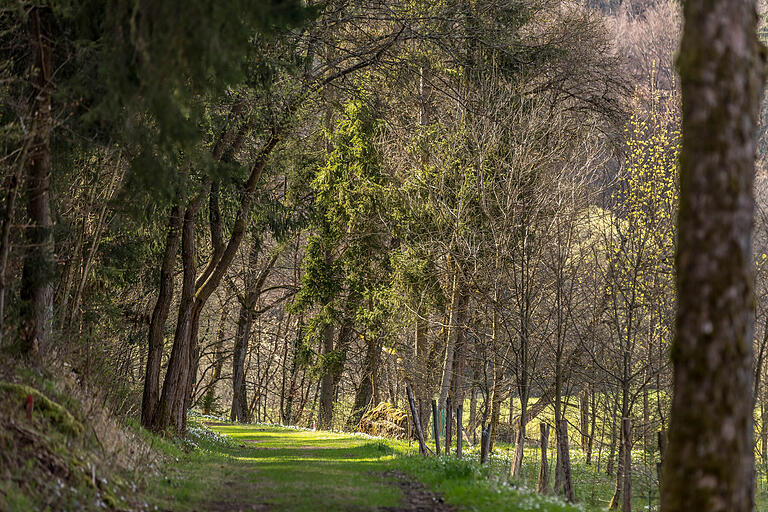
{"points": [[294, 469], [470, 486], [286, 469], [240, 466]]}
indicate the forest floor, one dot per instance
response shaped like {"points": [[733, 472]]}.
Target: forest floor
{"points": [[260, 468], [67, 453]]}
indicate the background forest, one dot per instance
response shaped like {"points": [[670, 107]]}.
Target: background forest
{"points": [[297, 213]]}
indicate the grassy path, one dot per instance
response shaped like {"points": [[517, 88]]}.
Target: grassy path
{"points": [[265, 468], [260, 468]]}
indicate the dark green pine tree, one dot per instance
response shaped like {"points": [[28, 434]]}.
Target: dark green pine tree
{"points": [[347, 257], [117, 76]]}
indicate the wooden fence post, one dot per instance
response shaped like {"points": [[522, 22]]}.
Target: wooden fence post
{"points": [[661, 438], [436, 427], [459, 430], [541, 485], [484, 438], [416, 420], [448, 426]]}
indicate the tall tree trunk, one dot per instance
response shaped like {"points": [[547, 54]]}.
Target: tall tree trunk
{"points": [[517, 462], [5, 241], [450, 348], [619, 483], [239, 409], [541, 485], [365, 391], [343, 340], [254, 283], [624, 472], [626, 436], [709, 464], [473, 406], [612, 449], [38, 270], [511, 420], [497, 392], [218, 363], [564, 458], [288, 416], [460, 354], [159, 317], [325, 412], [170, 408], [334, 367], [422, 369], [559, 414], [584, 417]]}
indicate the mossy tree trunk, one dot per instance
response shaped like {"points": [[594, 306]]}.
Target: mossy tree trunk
{"points": [[709, 462]]}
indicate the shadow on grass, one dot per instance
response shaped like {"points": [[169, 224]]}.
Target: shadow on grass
{"points": [[366, 452]]}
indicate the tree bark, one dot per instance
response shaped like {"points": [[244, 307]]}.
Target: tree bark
{"points": [[288, 414], [517, 462], [416, 420], [334, 371], [365, 391], [209, 399], [445, 379], [473, 413], [541, 485], [159, 317], [325, 413], [626, 435], [178, 380], [239, 409], [584, 417], [612, 442], [709, 461], [422, 367], [5, 242], [38, 269], [619, 483], [499, 364], [170, 411], [564, 455]]}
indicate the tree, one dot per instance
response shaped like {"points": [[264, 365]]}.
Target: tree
{"points": [[279, 110], [347, 258], [709, 461], [37, 282]]}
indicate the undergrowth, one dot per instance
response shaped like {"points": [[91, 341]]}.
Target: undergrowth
{"points": [[62, 450]]}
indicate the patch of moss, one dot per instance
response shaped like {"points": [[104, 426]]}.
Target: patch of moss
{"points": [[59, 415]]}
